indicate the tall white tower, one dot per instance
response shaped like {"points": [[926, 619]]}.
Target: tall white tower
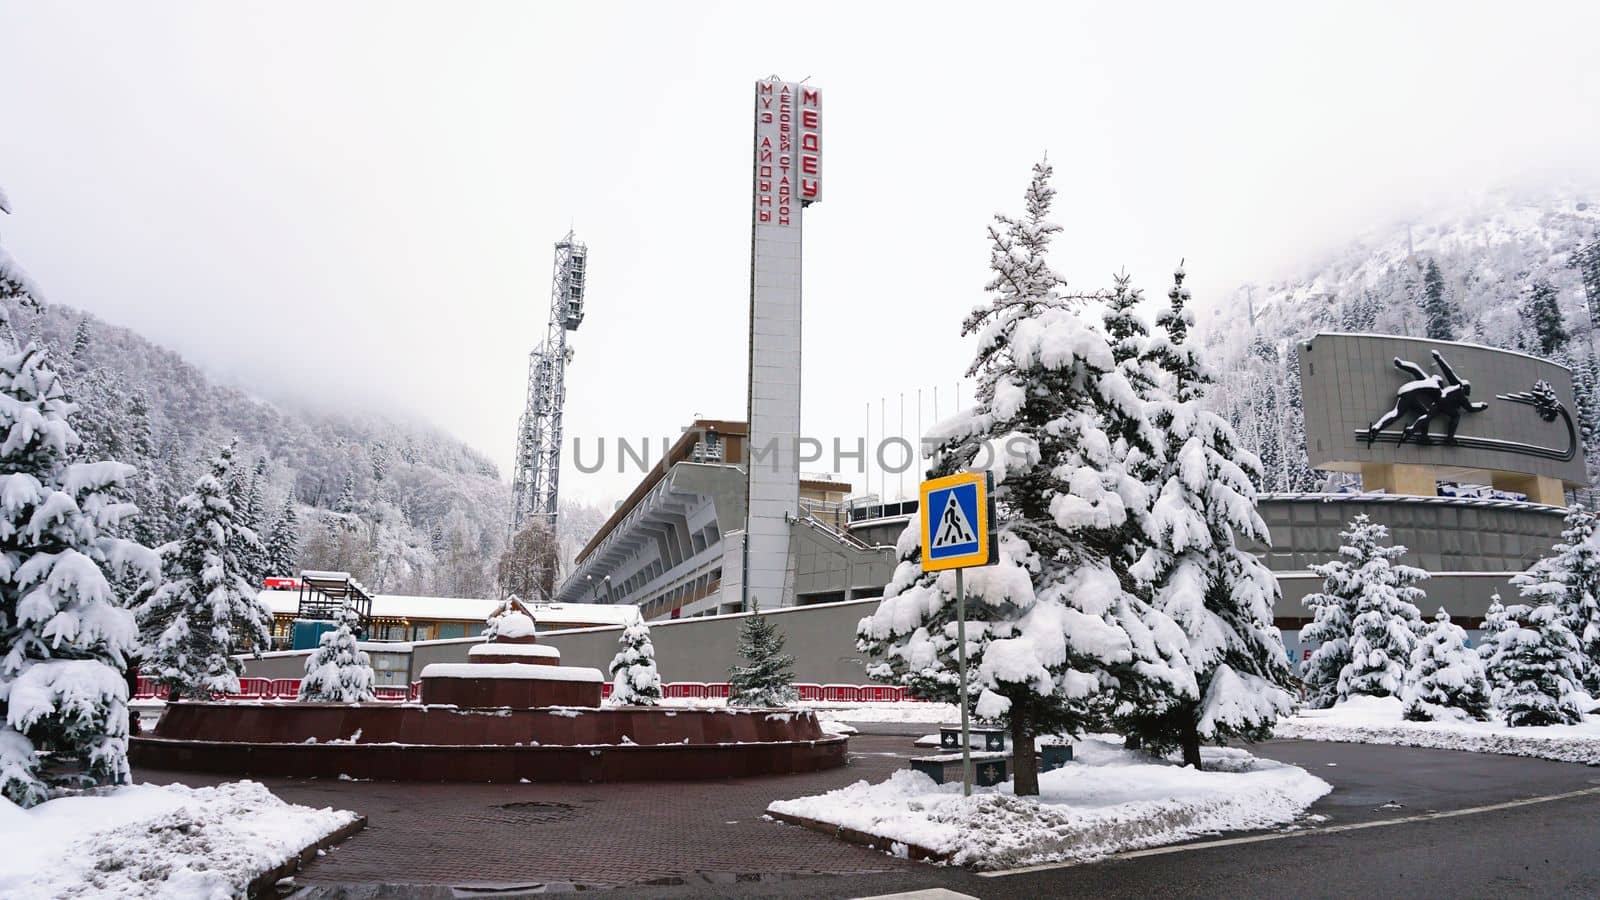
{"points": [[535, 482], [787, 177]]}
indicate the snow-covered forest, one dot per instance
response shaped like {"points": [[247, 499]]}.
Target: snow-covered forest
{"points": [[1516, 270], [404, 507]]}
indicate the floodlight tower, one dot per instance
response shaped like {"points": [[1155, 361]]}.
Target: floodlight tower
{"points": [[534, 483]]}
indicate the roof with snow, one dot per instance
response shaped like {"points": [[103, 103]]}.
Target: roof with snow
{"points": [[467, 609]]}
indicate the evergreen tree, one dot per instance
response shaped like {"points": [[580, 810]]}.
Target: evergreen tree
{"points": [[1446, 680], [208, 608], [1222, 597], [1541, 315], [1366, 602], [1438, 308], [1056, 640], [283, 541], [634, 679], [767, 676], [1569, 579], [346, 503], [1587, 262], [1298, 475], [64, 635], [79, 357], [1535, 661], [1383, 634], [339, 671]]}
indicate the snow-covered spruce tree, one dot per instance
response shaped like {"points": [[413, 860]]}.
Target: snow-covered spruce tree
{"points": [[1541, 317], [283, 541], [1569, 578], [1384, 632], [1364, 581], [1438, 307], [64, 634], [208, 609], [767, 676], [634, 679], [1495, 624], [339, 671], [1535, 661], [1056, 642], [1446, 680], [1221, 596]]}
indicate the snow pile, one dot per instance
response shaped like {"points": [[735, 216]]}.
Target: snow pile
{"points": [[1374, 720], [1107, 801], [145, 840]]}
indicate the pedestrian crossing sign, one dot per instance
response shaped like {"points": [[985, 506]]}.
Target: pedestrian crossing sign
{"points": [[957, 518]]}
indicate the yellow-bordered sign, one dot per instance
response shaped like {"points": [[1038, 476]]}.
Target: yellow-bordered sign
{"points": [[956, 521]]}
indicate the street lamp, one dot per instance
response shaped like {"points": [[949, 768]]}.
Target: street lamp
{"points": [[608, 589], [593, 591]]}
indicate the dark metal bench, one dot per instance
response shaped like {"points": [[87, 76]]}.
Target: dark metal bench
{"points": [[988, 769], [994, 739]]}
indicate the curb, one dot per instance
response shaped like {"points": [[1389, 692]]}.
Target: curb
{"points": [[261, 886], [872, 841]]}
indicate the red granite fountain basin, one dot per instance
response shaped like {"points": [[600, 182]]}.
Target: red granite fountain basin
{"points": [[420, 742]]}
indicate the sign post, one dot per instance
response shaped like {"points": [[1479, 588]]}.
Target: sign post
{"points": [[958, 533]]}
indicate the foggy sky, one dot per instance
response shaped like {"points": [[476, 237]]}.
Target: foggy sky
{"points": [[355, 203]]}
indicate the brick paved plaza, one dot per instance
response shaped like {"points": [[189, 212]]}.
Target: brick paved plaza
{"points": [[585, 834]]}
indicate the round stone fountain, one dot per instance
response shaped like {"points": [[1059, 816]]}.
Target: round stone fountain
{"points": [[511, 712]]}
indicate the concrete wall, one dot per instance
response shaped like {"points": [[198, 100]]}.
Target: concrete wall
{"points": [[821, 638], [1441, 534]]}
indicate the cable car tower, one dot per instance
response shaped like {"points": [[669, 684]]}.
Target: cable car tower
{"points": [[538, 463]]}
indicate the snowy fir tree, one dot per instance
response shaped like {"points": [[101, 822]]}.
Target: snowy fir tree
{"points": [[1056, 642], [207, 609], [1367, 605], [1383, 634], [339, 671], [1446, 680], [65, 636], [1221, 596], [767, 676], [1541, 317], [634, 679], [1438, 312], [1569, 578], [282, 545], [1536, 667]]}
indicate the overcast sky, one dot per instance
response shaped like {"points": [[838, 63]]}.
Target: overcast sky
{"points": [[355, 203]]}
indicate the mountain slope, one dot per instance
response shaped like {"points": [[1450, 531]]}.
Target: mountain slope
{"points": [[1491, 255]]}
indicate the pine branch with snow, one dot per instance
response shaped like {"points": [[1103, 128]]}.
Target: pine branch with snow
{"points": [[65, 634], [339, 671], [634, 679], [767, 676], [1446, 680], [208, 609], [1536, 661], [1055, 641]]}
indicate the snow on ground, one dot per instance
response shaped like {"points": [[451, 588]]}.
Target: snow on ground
{"points": [[147, 840], [1375, 720], [1106, 801], [905, 711]]}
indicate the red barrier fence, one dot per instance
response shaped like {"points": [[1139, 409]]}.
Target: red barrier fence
{"points": [[289, 688]]}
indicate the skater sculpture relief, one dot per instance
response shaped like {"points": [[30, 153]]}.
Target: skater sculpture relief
{"points": [[1426, 398]]}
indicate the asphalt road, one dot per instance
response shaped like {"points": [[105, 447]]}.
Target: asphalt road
{"points": [[1543, 849]]}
